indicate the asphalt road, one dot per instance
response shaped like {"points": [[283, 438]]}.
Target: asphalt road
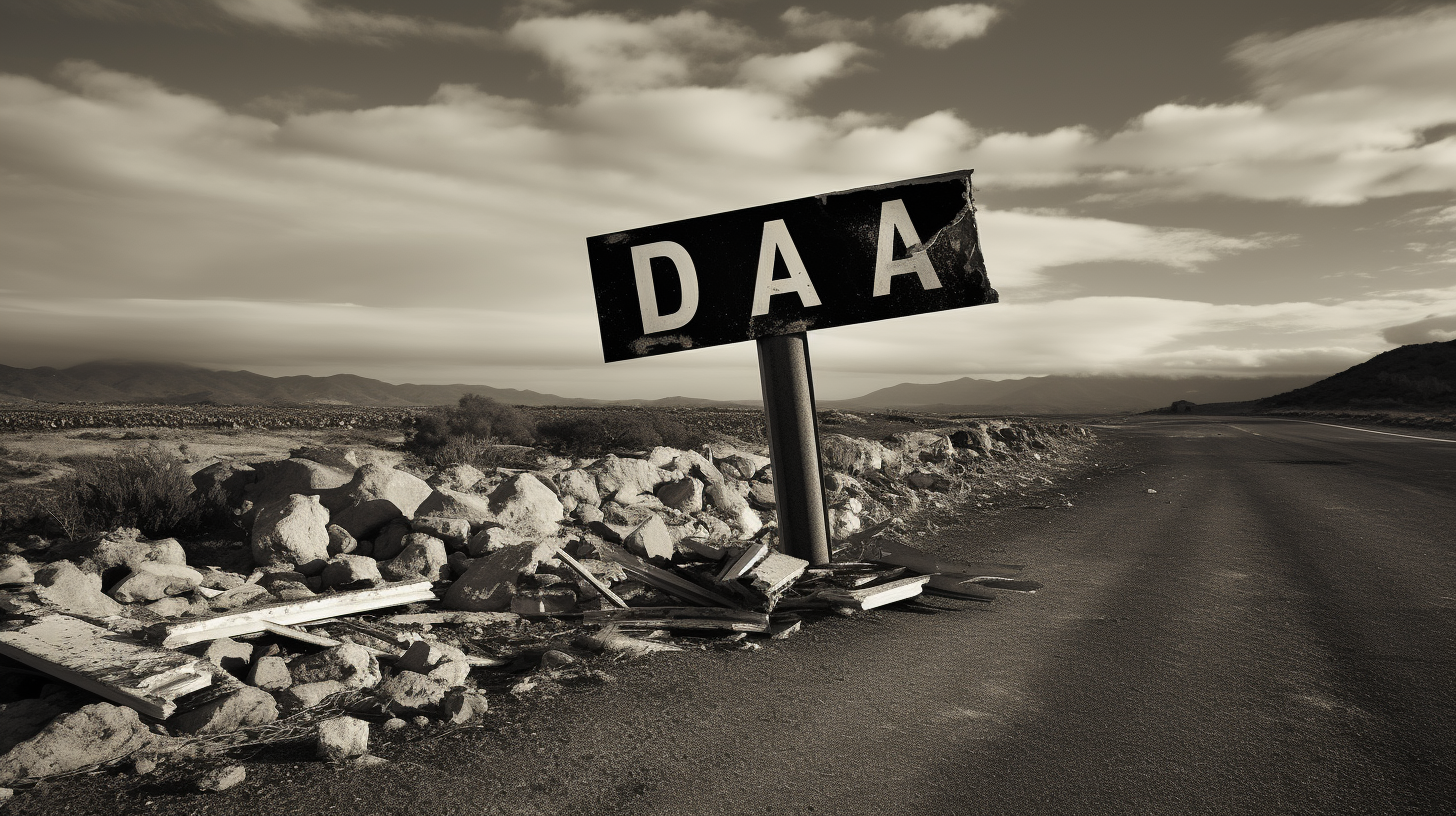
{"points": [[1272, 631]]}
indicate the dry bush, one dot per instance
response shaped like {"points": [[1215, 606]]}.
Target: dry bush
{"points": [[147, 488], [594, 435], [465, 433]]}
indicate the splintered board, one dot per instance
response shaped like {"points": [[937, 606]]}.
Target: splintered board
{"points": [[285, 613], [115, 667]]}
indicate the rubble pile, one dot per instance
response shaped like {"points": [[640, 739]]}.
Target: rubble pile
{"points": [[375, 597]]}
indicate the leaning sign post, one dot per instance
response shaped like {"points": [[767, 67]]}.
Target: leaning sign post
{"points": [[771, 274]]}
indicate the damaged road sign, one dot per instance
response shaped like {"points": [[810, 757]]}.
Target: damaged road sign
{"points": [[837, 259]]}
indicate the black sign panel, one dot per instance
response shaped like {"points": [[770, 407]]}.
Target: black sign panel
{"points": [[830, 260]]}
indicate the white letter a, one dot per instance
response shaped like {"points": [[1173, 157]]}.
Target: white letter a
{"points": [[893, 218], [776, 241]]}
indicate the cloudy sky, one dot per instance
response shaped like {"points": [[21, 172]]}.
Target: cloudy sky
{"points": [[403, 188]]}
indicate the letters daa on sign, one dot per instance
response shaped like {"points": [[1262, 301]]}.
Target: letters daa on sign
{"points": [[831, 260]]}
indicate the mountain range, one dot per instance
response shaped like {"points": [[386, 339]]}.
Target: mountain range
{"points": [[170, 383], [1422, 375]]}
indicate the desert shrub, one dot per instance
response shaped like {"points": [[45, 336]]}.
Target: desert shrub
{"points": [[596, 434], [147, 488], [465, 433]]}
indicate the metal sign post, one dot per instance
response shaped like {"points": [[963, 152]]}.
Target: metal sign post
{"points": [[772, 273], [793, 445]]}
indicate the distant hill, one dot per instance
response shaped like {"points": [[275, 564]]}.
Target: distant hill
{"points": [[1415, 376], [1062, 394], [166, 383]]}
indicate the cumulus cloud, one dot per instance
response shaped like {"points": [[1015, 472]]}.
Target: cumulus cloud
{"points": [[823, 25], [796, 74], [944, 26]]}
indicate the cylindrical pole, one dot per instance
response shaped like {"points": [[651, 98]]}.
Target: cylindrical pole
{"points": [[793, 442]]}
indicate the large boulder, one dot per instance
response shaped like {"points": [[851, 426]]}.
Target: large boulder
{"points": [[695, 464], [456, 477], [737, 464], [351, 572], [627, 480], [97, 733], [14, 569], [490, 582], [23, 719], [374, 497], [120, 551], [409, 693], [350, 664], [153, 581], [423, 556], [527, 506], [293, 530], [651, 540], [244, 708], [62, 584], [579, 485], [853, 455], [454, 532], [286, 477], [227, 481], [447, 503], [685, 495]]}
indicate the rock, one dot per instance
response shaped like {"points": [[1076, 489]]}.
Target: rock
{"points": [[395, 724], [350, 664], [238, 597], [291, 531], [214, 578], [684, 495], [153, 581], [100, 732], [761, 495], [923, 479], [307, 695], [390, 541], [170, 607], [747, 522], [527, 506], [291, 591], [122, 550], [619, 522], [447, 503], [340, 540], [835, 482], [423, 556], [700, 467], [458, 563], [715, 527], [626, 480], [739, 465], [843, 523], [490, 539], [454, 532], [64, 585], [14, 569], [588, 514], [462, 706], [490, 583], [410, 692], [229, 654], [451, 673], [226, 481], [23, 719], [375, 496], [279, 479], [727, 496], [343, 738], [853, 455], [456, 477], [975, 437], [579, 485], [651, 540], [244, 708], [270, 673], [220, 779], [351, 572], [556, 659], [424, 656]]}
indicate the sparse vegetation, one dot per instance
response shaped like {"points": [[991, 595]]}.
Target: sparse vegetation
{"points": [[597, 434], [471, 433], [147, 488]]}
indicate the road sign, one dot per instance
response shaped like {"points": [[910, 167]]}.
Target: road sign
{"points": [[772, 273], [831, 260]]}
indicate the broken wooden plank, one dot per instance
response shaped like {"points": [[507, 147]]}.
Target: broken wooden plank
{"points": [[256, 619], [859, 599], [115, 667], [903, 555], [300, 635], [703, 549], [775, 573], [681, 617], [598, 584], [737, 567], [958, 586], [664, 580]]}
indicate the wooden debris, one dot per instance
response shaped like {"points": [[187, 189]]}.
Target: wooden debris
{"points": [[782, 627], [613, 640], [703, 549], [586, 574], [775, 573], [257, 619], [958, 586], [659, 578], [859, 599], [300, 635], [681, 617], [115, 667], [453, 618], [735, 568]]}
